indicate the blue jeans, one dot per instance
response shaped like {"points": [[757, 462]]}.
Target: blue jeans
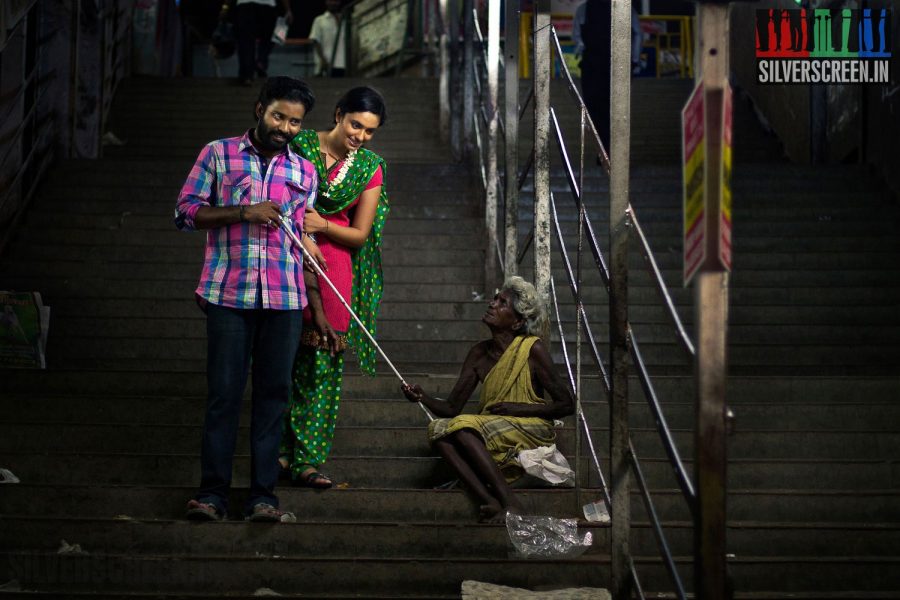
{"points": [[270, 338]]}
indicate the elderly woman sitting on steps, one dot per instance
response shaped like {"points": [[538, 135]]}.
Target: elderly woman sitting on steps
{"points": [[516, 371]]}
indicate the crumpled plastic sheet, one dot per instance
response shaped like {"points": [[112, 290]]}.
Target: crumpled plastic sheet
{"points": [[547, 463], [546, 537], [7, 476]]}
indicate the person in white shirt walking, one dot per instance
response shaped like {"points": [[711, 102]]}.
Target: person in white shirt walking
{"points": [[330, 36]]}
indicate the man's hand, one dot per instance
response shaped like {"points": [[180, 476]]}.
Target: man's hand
{"points": [[288, 17], [264, 213]]}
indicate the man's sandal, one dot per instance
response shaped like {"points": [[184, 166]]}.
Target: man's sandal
{"points": [[314, 480]]}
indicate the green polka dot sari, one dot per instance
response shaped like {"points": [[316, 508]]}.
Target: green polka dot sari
{"points": [[318, 376], [368, 284]]}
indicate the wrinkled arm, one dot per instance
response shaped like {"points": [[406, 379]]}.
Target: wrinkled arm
{"points": [[462, 390]]}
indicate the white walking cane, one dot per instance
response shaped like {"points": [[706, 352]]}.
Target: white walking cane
{"points": [[286, 225]]}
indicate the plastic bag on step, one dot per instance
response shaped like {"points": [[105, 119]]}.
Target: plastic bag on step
{"points": [[549, 464], [6, 476], [546, 537]]}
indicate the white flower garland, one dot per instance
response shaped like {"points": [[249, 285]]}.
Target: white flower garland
{"points": [[342, 173]]}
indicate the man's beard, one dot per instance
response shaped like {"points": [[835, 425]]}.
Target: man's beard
{"points": [[265, 137]]}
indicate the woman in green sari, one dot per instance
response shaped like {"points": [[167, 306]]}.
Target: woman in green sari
{"points": [[347, 223]]}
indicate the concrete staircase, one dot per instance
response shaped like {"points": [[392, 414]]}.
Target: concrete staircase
{"points": [[106, 441]]}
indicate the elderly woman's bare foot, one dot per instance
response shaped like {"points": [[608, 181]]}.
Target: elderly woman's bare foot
{"points": [[491, 512]]}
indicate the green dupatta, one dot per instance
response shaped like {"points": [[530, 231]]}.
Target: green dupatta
{"points": [[368, 283]]}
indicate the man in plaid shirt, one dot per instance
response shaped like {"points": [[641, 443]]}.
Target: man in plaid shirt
{"points": [[252, 289]]}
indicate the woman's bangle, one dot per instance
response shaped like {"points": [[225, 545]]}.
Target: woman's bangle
{"points": [[326, 225]]}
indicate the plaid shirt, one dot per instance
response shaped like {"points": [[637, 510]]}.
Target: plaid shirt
{"points": [[249, 265]]}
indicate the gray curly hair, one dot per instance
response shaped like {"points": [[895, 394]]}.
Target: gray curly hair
{"points": [[528, 303]]}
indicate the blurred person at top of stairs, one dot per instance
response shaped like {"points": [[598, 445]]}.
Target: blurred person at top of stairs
{"points": [[516, 370], [347, 221]]}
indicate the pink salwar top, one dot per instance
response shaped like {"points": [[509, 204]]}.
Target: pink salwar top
{"points": [[340, 262]]}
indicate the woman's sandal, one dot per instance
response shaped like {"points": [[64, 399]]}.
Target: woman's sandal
{"points": [[313, 479]]}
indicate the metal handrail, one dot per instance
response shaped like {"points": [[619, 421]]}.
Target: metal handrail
{"points": [[604, 488], [574, 288], [576, 192], [650, 260], [14, 101], [484, 61], [648, 253], [662, 427], [604, 157], [654, 520], [635, 582], [480, 150], [646, 383]]}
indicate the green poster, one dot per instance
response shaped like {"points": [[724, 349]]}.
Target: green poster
{"points": [[23, 330]]}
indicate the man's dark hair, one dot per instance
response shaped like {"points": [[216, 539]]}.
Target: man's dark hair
{"points": [[363, 99], [285, 88]]}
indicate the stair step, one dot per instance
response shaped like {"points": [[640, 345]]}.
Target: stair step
{"points": [[373, 441], [427, 471], [362, 538], [382, 406], [99, 500], [172, 573]]}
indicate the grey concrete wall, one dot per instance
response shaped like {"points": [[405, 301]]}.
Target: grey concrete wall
{"points": [[786, 107], [881, 109]]}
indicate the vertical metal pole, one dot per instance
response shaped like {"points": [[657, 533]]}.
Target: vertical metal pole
{"points": [[73, 79], [468, 72], [511, 119], [444, 70], [711, 306], [579, 307], [711, 314], [620, 145], [542, 58], [491, 262], [455, 84]]}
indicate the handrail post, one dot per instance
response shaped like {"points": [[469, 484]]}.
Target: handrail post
{"points": [[711, 318], [443, 41], [455, 83], [491, 259], [620, 141], [511, 120], [468, 73], [542, 58]]}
